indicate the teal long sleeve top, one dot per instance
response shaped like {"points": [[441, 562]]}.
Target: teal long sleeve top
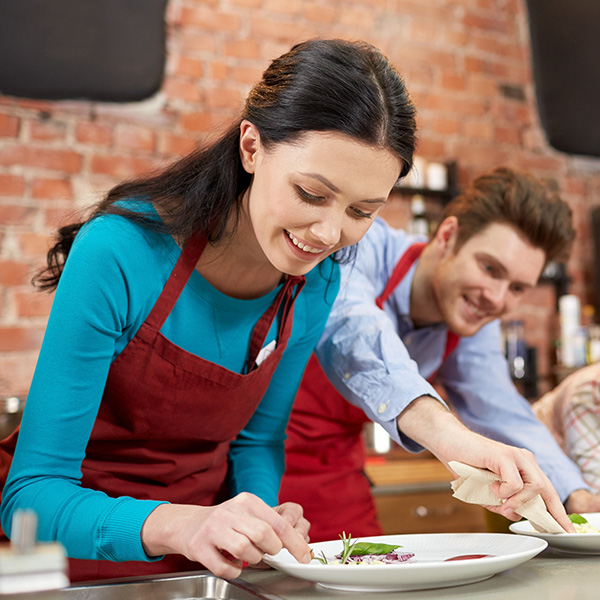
{"points": [[114, 274]]}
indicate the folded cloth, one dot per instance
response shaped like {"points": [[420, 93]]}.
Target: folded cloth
{"points": [[473, 487]]}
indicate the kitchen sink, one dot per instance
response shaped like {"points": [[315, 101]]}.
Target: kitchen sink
{"points": [[182, 587]]}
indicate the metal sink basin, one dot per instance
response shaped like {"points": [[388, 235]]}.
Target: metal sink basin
{"points": [[182, 587]]}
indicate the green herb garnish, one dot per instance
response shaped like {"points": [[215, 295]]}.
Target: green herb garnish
{"points": [[575, 518], [362, 548], [347, 547]]}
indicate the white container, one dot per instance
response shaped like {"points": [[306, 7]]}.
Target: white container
{"points": [[437, 176]]}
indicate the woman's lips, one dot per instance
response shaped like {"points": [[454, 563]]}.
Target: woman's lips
{"points": [[302, 250]]}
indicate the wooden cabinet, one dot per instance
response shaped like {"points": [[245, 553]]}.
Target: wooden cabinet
{"points": [[413, 495]]}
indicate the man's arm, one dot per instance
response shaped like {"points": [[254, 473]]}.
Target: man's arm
{"points": [[430, 424], [479, 387]]}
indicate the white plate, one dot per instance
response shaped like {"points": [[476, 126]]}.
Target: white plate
{"points": [[579, 543], [427, 570]]}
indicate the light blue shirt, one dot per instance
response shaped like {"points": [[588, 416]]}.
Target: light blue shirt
{"points": [[380, 362]]}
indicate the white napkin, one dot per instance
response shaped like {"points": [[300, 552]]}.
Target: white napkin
{"points": [[473, 487]]}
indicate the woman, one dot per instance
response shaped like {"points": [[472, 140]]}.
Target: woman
{"points": [[171, 328]]}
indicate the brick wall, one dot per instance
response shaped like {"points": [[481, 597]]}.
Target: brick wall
{"points": [[466, 64]]}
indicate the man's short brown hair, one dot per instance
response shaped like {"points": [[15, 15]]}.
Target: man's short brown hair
{"points": [[519, 199]]}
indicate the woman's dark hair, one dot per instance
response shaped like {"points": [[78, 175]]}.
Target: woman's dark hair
{"points": [[319, 85]]}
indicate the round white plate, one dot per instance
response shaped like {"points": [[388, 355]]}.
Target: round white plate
{"points": [[579, 543], [427, 570]]}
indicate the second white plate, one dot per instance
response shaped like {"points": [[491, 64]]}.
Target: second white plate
{"points": [[578, 543], [427, 570]]}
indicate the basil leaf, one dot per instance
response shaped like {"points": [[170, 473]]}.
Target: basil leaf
{"points": [[361, 548], [575, 518]]}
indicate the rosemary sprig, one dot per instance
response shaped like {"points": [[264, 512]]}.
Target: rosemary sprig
{"points": [[344, 555], [347, 547]]}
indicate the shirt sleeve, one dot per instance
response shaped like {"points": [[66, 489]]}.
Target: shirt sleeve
{"points": [[479, 387], [89, 312], [257, 454], [360, 350], [581, 420]]}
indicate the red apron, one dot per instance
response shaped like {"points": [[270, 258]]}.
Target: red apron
{"points": [[167, 417], [325, 449]]}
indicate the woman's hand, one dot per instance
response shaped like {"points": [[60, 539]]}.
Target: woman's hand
{"points": [[293, 513], [427, 422], [222, 537]]}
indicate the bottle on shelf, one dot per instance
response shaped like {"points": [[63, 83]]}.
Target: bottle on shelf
{"points": [[418, 225]]}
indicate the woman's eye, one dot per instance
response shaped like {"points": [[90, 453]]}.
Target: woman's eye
{"points": [[361, 214], [308, 197]]}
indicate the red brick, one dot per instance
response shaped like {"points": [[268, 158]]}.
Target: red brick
{"points": [[190, 67], [93, 133], [219, 71], [53, 159], [13, 273], [278, 29], [55, 217], [182, 89], [319, 13], [9, 126], [197, 121], [33, 304], [47, 130], [16, 372], [453, 82], [34, 245], [121, 167], [243, 49], [15, 339], [180, 145], [11, 185], [211, 20], [52, 189], [223, 98], [133, 137], [12, 214]]}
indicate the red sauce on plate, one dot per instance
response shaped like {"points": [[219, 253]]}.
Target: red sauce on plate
{"points": [[468, 557]]}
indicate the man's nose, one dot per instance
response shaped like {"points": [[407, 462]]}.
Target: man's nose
{"points": [[497, 294]]}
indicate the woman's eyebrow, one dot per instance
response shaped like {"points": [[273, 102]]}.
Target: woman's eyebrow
{"points": [[336, 189]]}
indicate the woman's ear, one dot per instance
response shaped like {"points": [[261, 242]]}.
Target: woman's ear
{"points": [[446, 235], [249, 145]]}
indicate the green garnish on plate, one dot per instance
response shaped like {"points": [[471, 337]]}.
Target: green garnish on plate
{"points": [[356, 548], [578, 519]]}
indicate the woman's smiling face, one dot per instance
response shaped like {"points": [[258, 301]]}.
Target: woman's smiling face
{"points": [[314, 196]]}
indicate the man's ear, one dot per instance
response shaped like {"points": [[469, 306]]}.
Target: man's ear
{"points": [[446, 235], [249, 145]]}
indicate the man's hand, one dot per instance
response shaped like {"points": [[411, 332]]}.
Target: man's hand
{"points": [[428, 423]]}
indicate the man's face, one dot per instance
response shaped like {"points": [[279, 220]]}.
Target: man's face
{"points": [[486, 278]]}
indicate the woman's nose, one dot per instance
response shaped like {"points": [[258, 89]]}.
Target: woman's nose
{"points": [[327, 230]]}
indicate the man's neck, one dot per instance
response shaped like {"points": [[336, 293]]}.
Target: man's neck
{"points": [[424, 309]]}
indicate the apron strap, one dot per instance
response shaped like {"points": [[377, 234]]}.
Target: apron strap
{"points": [[400, 270], [287, 295], [179, 277]]}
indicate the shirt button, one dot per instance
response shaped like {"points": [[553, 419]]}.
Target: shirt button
{"points": [[346, 376], [381, 408]]}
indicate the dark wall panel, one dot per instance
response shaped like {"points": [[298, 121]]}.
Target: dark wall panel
{"points": [[110, 50]]}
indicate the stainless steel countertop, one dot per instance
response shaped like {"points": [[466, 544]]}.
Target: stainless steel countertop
{"points": [[552, 575]]}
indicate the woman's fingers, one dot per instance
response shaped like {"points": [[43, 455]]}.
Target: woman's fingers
{"points": [[294, 514]]}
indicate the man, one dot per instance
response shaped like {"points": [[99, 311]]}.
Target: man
{"points": [[408, 312]]}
